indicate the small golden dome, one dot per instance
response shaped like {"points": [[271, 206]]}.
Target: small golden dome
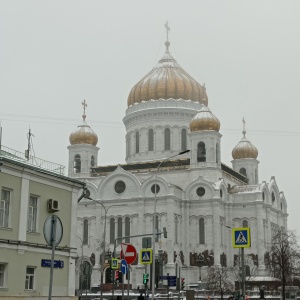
{"points": [[244, 149], [205, 120], [167, 81], [83, 134]]}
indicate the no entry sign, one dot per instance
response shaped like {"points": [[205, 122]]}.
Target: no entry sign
{"points": [[128, 252]]}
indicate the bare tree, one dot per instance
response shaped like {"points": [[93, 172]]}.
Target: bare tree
{"points": [[281, 260], [218, 279]]}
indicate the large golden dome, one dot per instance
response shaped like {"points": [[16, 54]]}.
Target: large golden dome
{"points": [[205, 120], [244, 149], [83, 134], [167, 81]]}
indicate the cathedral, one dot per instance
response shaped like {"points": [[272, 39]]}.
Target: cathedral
{"points": [[174, 171]]}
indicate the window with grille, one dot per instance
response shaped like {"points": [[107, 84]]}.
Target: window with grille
{"points": [[201, 152], [32, 214], [29, 282], [77, 163], [167, 139], [150, 140], [4, 208], [2, 275]]}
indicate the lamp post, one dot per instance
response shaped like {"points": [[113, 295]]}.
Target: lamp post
{"points": [[154, 216], [104, 240]]}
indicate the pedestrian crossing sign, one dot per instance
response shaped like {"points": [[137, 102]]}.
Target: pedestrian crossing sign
{"points": [[241, 237], [114, 263], [146, 256]]}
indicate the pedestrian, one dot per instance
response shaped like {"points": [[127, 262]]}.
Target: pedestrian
{"points": [[141, 297], [208, 298]]}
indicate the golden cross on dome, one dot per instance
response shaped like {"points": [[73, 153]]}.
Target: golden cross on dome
{"points": [[84, 107], [244, 126], [167, 29]]}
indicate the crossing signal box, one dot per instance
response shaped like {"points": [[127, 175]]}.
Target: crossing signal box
{"points": [[182, 283], [145, 278]]}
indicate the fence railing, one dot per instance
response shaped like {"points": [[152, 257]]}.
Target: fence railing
{"points": [[31, 160]]}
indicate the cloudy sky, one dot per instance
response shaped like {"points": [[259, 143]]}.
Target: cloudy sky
{"points": [[54, 54]]}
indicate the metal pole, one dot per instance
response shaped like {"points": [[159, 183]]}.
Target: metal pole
{"points": [[243, 274], [103, 249], [53, 240], [154, 219]]}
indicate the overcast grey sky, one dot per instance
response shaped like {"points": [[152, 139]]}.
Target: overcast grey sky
{"points": [[54, 54]]}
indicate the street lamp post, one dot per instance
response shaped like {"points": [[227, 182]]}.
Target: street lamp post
{"points": [[154, 217], [81, 271], [104, 240]]}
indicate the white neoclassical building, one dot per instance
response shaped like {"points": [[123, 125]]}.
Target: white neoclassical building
{"points": [[199, 199]]}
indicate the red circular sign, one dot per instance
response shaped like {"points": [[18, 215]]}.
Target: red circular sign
{"points": [[128, 252]]}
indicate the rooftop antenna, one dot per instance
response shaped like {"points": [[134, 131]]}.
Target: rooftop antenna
{"points": [[27, 151]]}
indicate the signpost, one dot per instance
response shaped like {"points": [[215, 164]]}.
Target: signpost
{"points": [[53, 232], [241, 239]]}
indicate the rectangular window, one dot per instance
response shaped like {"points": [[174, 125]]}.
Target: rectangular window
{"points": [[2, 275], [29, 282], [4, 207], [32, 214]]}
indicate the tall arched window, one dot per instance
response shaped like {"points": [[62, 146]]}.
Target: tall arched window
{"points": [[201, 231], [137, 142], [167, 139], [156, 229], [85, 236], [127, 229], [77, 163], [120, 227], [92, 161], [183, 139], [111, 230], [245, 223], [176, 230], [217, 153], [201, 152], [243, 171], [256, 176], [150, 139]]}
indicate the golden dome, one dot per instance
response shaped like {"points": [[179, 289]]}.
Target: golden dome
{"points": [[244, 149], [205, 120], [84, 133], [167, 81]]}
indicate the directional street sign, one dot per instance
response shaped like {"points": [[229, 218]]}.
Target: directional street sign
{"points": [[47, 263], [241, 237], [114, 263], [128, 252], [146, 256], [171, 279], [124, 266]]}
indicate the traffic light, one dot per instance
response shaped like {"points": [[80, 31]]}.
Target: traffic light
{"points": [[145, 278], [182, 283]]}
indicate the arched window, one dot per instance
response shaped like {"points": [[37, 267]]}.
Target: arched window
{"points": [[245, 224], [183, 139], [127, 229], [150, 139], [137, 142], [77, 163], [85, 236], [120, 227], [217, 153], [176, 230], [167, 139], [247, 270], [273, 197], [256, 176], [201, 152], [111, 230], [281, 205], [129, 145], [92, 161], [201, 231], [243, 171]]}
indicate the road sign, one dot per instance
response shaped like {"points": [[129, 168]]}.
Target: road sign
{"points": [[128, 252], [146, 256], [124, 266], [47, 263], [241, 237], [146, 242], [48, 230], [114, 263]]}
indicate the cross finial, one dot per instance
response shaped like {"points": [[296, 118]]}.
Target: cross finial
{"points": [[244, 126], [167, 30], [84, 107]]}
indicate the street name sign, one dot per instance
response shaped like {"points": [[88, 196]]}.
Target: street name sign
{"points": [[241, 237], [47, 263]]}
